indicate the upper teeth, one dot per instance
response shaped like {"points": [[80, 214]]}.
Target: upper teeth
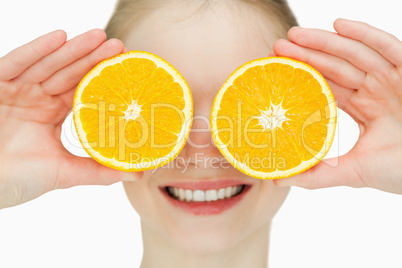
{"points": [[201, 196]]}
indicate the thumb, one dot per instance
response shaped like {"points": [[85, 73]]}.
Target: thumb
{"points": [[74, 171], [337, 171]]}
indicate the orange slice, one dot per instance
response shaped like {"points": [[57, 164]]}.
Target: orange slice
{"points": [[133, 112], [274, 117]]}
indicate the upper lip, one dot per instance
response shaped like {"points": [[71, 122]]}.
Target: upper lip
{"points": [[206, 184]]}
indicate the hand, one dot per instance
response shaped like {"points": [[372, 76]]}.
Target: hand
{"points": [[363, 66], [37, 85]]}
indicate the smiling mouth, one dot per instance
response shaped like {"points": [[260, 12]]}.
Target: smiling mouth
{"points": [[188, 195]]}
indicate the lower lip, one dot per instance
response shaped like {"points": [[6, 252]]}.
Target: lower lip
{"points": [[207, 207]]}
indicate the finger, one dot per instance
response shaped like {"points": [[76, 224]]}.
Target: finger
{"points": [[68, 97], [343, 96], [338, 171], [271, 54], [18, 60], [357, 53], [126, 50], [384, 43], [72, 51], [70, 76], [74, 171], [341, 79], [331, 67]]}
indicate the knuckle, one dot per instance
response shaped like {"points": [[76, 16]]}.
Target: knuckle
{"points": [[46, 66], [15, 195], [309, 181], [75, 51], [3, 90], [10, 195], [356, 101], [34, 50], [90, 62], [365, 24], [64, 80], [333, 73], [385, 46], [324, 46], [364, 33], [19, 64]]}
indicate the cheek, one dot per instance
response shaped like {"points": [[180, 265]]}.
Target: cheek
{"points": [[135, 194], [144, 197], [141, 197], [270, 199]]}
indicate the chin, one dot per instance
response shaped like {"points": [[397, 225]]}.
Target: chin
{"points": [[206, 244], [207, 235], [204, 226]]}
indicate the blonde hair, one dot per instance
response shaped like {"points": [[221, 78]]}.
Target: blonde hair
{"points": [[128, 11]]}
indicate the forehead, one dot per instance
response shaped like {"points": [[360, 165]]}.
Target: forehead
{"points": [[205, 44]]}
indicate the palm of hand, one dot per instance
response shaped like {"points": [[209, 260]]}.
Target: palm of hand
{"points": [[377, 107], [362, 65], [37, 84]]}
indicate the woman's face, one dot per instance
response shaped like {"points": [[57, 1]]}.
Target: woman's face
{"points": [[206, 47]]}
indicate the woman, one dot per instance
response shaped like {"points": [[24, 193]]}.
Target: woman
{"points": [[214, 36]]}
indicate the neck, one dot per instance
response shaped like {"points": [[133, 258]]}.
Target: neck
{"points": [[250, 252]]}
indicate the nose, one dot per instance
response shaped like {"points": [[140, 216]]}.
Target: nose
{"points": [[200, 136], [200, 147]]}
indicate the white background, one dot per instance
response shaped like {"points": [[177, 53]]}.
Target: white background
{"points": [[95, 226]]}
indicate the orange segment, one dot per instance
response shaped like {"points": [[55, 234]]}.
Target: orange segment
{"points": [[273, 118], [133, 112]]}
